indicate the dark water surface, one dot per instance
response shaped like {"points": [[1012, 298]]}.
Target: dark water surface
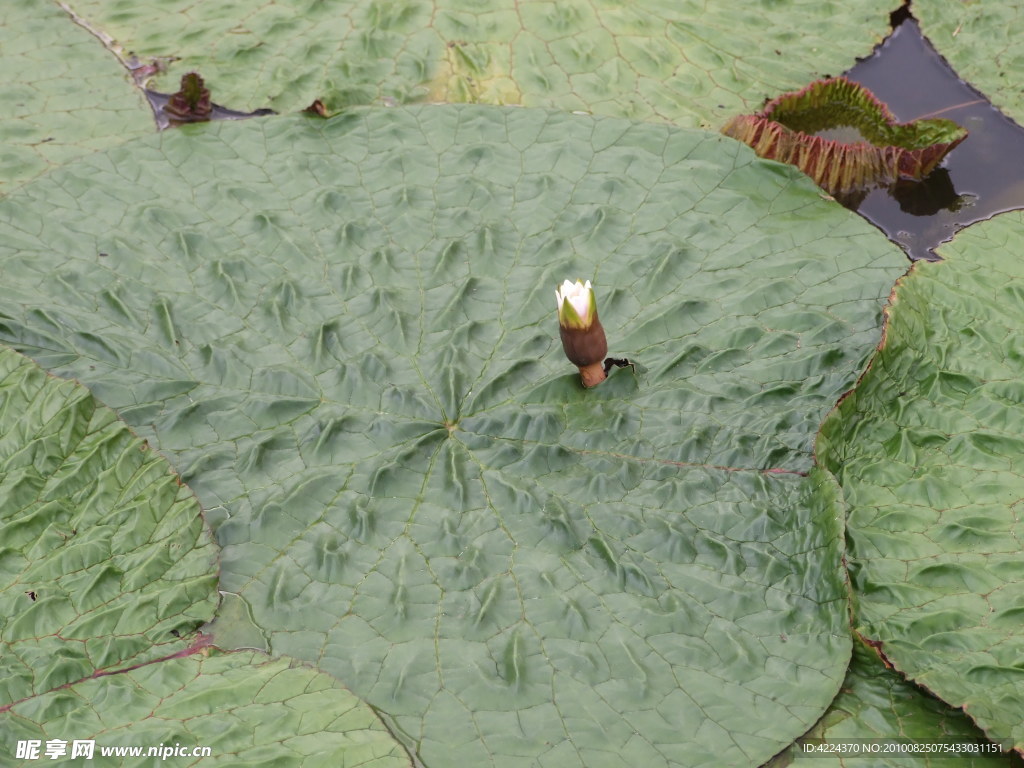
{"points": [[981, 177]]}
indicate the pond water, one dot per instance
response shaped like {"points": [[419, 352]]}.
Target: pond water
{"points": [[981, 177]]}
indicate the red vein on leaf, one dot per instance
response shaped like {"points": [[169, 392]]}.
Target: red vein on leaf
{"points": [[202, 642], [669, 462], [942, 111]]}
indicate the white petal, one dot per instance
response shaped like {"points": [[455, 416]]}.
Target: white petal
{"points": [[578, 294], [581, 303]]}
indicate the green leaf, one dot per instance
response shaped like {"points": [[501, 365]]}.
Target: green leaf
{"points": [[244, 708], [63, 94], [689, 62], [960, 30], [105, 560], [927, 451], [884, 151], [344, 332], [234, 626], [877, 705], [106, 571]]}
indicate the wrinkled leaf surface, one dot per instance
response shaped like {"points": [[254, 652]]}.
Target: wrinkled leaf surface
{"points": [[104, 557], [959, 31], [877, 705], [692, 63], [63, 94], [344, 333], [928, 452], [106, 570], [247, 710], [789, 130]]}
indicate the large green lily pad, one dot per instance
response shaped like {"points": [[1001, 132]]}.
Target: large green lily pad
{"points": [[344, 333], [245, 709], [692, 63], [876, 706], [104, 558], [106, 571], [63, 94], [928, 452]]}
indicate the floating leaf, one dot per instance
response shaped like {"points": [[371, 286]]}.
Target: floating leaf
{"points": [[960, 31], [928, 450], [106, 571], [63, 94], [243, 707], [689, 62], [883, 152], [104, 557], [343, 331], [877, 704]]}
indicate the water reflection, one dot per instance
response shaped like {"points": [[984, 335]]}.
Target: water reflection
{"points": [[983, 176]]}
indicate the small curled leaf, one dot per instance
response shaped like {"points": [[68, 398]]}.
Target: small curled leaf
{"points": [[884, 152]]}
